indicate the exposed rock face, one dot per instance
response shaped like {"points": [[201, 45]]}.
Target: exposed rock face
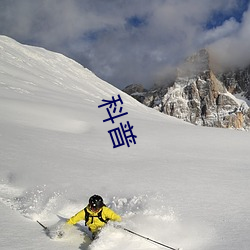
{"points": [[237, 81], [199, 97], [137, 91]]}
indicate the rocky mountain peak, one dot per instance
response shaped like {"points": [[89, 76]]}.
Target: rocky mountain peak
{"points": [[196, 64], [200, 96]]}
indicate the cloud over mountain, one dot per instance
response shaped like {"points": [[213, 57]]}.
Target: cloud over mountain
{"points": [[129, 41]]}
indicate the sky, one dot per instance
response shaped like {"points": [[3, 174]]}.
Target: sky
{"points": [[132, 41]]}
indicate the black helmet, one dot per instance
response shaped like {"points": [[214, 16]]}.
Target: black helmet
{"points": [[95, 202]]}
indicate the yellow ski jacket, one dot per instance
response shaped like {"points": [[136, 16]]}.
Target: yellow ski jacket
{"points": [[94, 223]]}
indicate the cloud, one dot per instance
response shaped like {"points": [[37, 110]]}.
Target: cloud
{"points": [[233, 49], [228, 28], [121, 41]]}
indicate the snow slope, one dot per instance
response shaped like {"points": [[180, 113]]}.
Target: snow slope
{"points": [[182, 185]]}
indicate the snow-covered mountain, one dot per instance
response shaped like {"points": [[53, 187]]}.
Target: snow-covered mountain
{"points": [[201, 96], [183, 185]]}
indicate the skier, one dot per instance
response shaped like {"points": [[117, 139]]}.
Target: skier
{"points": [[95, 214]]}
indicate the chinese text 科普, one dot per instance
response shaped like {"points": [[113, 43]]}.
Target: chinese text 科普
{"points": [[123, 133]]}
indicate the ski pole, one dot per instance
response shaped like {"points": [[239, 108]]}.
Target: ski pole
{"points": [[45, 228], [146, 238]]}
